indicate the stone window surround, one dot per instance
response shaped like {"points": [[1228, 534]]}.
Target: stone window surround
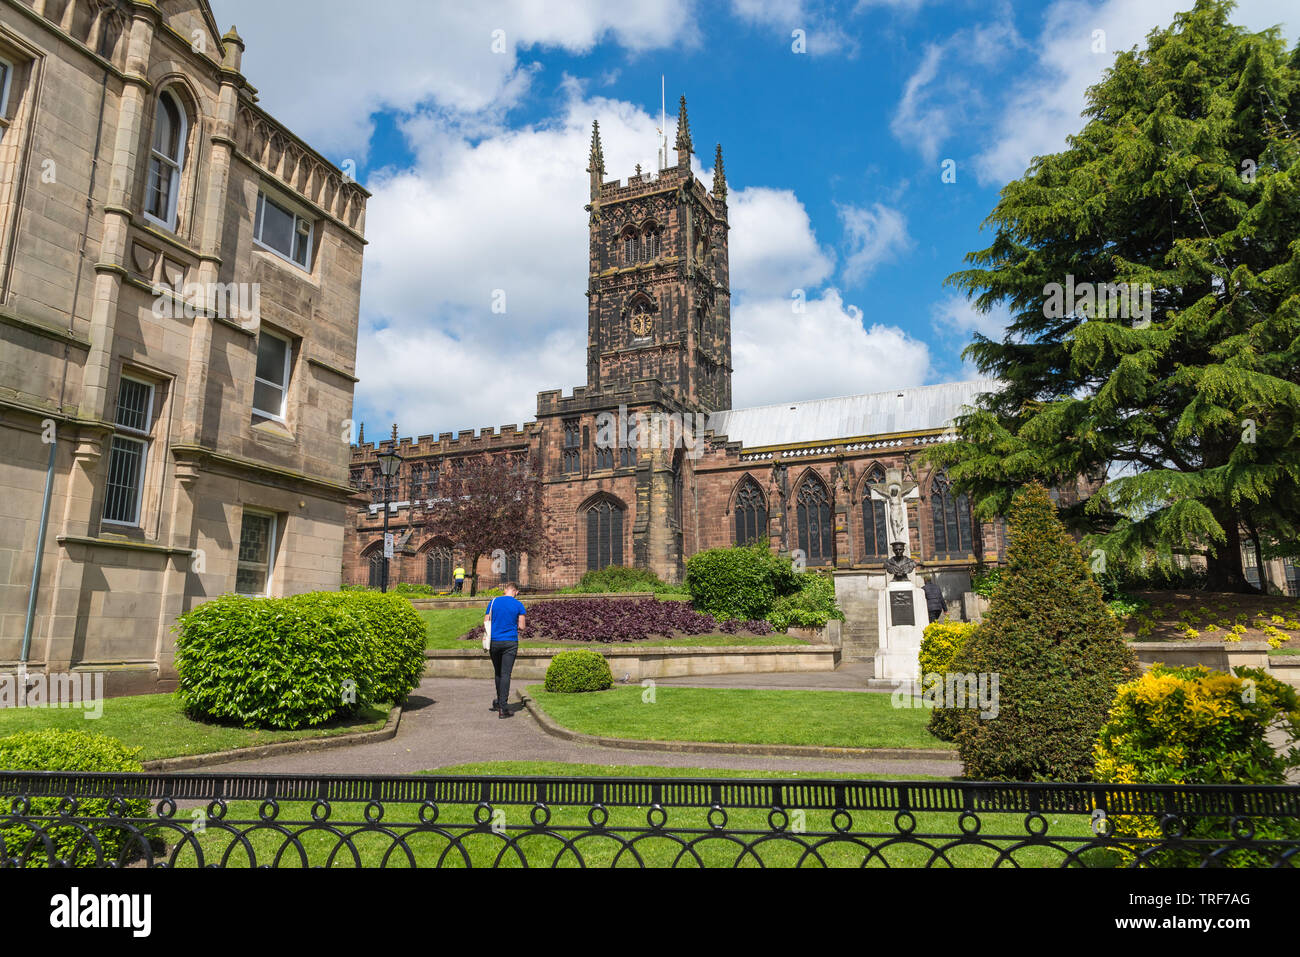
{"points": [[142, 436], [274, 523], [290, 351], [172, 221], [267, 193]]}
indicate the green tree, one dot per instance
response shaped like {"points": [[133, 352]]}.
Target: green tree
{"points": [[1057, 651], [1170, 375]]}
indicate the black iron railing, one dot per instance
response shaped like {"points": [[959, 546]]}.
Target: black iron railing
{"points": [[282, 820]]}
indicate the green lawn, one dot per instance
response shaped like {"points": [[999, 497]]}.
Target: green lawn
{"points": [[443, 628], [845, 719], [156, 724], [429, 843]]}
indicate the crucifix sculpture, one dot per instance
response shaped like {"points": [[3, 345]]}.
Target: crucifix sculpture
{"points": [[895, 492]]}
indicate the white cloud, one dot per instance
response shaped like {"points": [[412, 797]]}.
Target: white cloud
{"points": [[958, 314], [873, 236], [773, 250], [780, 354], [940, 97], [401, 54], [822, 32]]}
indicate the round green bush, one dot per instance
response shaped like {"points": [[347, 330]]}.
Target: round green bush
{"points": [[571, 672], [296, 662], [740, 582], [55, 750]]}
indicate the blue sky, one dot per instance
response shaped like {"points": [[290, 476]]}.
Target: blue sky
{"points": [[469, 122]]}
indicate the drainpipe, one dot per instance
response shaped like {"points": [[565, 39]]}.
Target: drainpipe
{"points": [[36, 566]]}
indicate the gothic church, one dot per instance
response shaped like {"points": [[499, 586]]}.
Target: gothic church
{"points": [[659, 343]]}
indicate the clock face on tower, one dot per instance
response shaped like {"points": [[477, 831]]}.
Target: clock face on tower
{"points": [[641, 324]]}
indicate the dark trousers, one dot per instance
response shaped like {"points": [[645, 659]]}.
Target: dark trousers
{"points": [[503, 662], [460, 583], [936, 612]]}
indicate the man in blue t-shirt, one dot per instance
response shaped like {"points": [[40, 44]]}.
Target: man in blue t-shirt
{"points": [[506, 614]]}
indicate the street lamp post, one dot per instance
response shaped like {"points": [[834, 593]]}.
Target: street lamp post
{"points": [[389, 462]]}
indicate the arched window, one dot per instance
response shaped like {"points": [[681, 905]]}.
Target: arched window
{"points": [[630, 243], [751, 513], [650, 244], [377, 567], [875, 538], [816, 535], [438, 566], [952, 524], [512, 568], [604, 534], [166, 158]]}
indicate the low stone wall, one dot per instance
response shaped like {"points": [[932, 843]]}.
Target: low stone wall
{"points": [[1286, 668], [636, 664], [1217, 654]]}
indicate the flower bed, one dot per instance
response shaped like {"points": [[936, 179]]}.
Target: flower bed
{"points": [[628, 619]]}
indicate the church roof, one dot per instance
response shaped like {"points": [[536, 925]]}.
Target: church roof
{"points": [[875, 413]]}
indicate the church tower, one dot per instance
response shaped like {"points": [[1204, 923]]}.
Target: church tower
{"points": [[659, 293]]}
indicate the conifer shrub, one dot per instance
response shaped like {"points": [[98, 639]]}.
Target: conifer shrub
{"points": [[57, 750], [574, 672], [1058, 652]]}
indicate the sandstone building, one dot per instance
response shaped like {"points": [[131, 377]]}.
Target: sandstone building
{"points": [[659, 343], [179, 292]]}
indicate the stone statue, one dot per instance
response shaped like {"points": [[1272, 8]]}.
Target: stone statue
{"points": [[899, 565], [895, 492]]}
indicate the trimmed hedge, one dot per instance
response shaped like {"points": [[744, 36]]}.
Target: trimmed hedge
{"points": [[739, 582], [940, 643], [56, 750], [1192, 725], [1057, 651], [296, 662], [573, 672]]}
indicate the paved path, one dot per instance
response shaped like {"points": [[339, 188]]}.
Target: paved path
{"points": [[447, 722]]}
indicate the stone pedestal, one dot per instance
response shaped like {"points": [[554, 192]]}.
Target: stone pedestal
{"points": [[902, 619]]}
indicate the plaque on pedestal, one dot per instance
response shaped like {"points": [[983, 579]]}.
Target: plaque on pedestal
{"points": [[901, 610]]}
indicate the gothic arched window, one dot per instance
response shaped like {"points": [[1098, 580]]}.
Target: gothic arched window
{"points": [[679, 491], [816, 535], [604, 534], [377, 567], [751, 513], [166, 158], [952, 522], [438, 566], [875, 538], [631, 242], [650, 244]]}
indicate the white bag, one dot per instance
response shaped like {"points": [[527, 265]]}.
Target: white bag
{"points": [[487, 628]]}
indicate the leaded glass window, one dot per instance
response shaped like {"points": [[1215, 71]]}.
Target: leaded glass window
{"points": [[604, 535], [816, 534], [751, 513]]}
